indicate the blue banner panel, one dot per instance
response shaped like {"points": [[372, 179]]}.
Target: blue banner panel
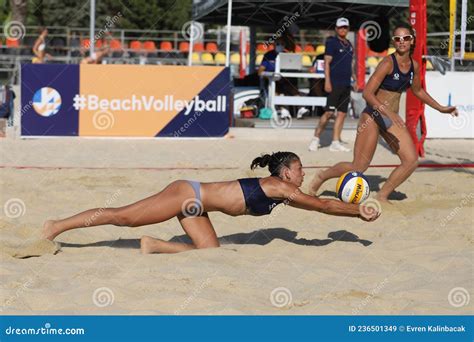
{"points": [[208, 113], [237, 328], [47, 93]]}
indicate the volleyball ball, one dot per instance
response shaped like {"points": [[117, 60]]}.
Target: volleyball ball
{"points": [[352, 187]]}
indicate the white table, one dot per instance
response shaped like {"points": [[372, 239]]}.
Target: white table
{"points": [[274, 100]]}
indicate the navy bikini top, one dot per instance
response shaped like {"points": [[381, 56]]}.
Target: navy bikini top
{"points": [[256, 201], [396, 80]]}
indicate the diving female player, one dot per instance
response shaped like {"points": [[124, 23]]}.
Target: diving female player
{"points": [[191, 201], [394, 74]]}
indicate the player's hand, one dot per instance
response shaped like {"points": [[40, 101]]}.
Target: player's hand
{"points": [[368, 214], [327, 87], [449, 110]]}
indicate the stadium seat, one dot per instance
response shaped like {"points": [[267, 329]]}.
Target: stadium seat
{"points": [[136, 48], [12, 43], [183, 47], [298, 48], [196, 58], [166, 46], [211, 47], [259, 59], [372, 62], [220, 58], [116, 47], [320, 49], [235, 58], [135, 45], [85, 43], [198, 47], [307, 61], [206, 58], [308, 48], [115, 44]]}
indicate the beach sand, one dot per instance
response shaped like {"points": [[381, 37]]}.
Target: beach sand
{"points": [[417, 258]]}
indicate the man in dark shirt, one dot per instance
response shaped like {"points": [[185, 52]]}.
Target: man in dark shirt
{"points": [[337, 71]]}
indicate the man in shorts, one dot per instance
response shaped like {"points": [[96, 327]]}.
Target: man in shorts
{"points": [[338, 71]]}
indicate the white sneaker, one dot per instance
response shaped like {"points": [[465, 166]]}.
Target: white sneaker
{"points": [[314, 144], [301, 112], [336, 146], [285, 113]]}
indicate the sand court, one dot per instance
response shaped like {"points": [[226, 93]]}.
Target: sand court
{"points": [[291, 262]]}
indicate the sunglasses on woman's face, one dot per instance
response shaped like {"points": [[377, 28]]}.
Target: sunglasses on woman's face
{"points": [[401, 39]]}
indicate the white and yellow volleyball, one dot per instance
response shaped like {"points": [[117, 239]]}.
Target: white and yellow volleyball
{"points": [[352, 187]]}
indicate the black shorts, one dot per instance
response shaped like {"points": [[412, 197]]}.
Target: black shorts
{"points": [[339, 98]]}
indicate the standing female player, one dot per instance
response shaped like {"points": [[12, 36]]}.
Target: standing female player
{"points": [[190, 202], [393, 75]]}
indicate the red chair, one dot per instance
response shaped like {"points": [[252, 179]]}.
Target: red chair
{"points": [[211, 47], [198, 47], [184, 47], [85, 43], [298, 48], [149, 45], [13, 43], [115, 44], [308, 48], [166, 46], [135, 45]]}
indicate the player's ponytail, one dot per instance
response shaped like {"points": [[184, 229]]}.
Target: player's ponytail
{"points": [[275, 161]]}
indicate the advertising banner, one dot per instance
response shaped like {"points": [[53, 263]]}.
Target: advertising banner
{"points": [[124, 101]]}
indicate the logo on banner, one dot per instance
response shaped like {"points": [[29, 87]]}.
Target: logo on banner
{"points": [[47, 101]]}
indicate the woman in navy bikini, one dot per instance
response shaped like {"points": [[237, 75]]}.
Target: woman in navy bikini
{"points": [[394, 74], [190, 202]]}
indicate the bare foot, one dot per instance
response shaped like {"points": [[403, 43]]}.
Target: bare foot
{"points": [[146, 244], [49, 230], [315, 184]]}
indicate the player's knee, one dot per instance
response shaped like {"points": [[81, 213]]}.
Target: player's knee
{"points": [[121, 218], [411, 163]]}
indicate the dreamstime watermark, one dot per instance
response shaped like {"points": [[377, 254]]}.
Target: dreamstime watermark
{"points": [[458, 297], [287, 22], [281, 297], [367, 207], [193, 296], [192, 30], [110, 23], [375, 291], [98, 212], [103, 120], [459, 122], [375, 113], [14, 208], [281, 122], [192, 207], [14, 30], [370, 30], [102, 297], [19, 291], [465, 201], [445, 43], [187, 124]]}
